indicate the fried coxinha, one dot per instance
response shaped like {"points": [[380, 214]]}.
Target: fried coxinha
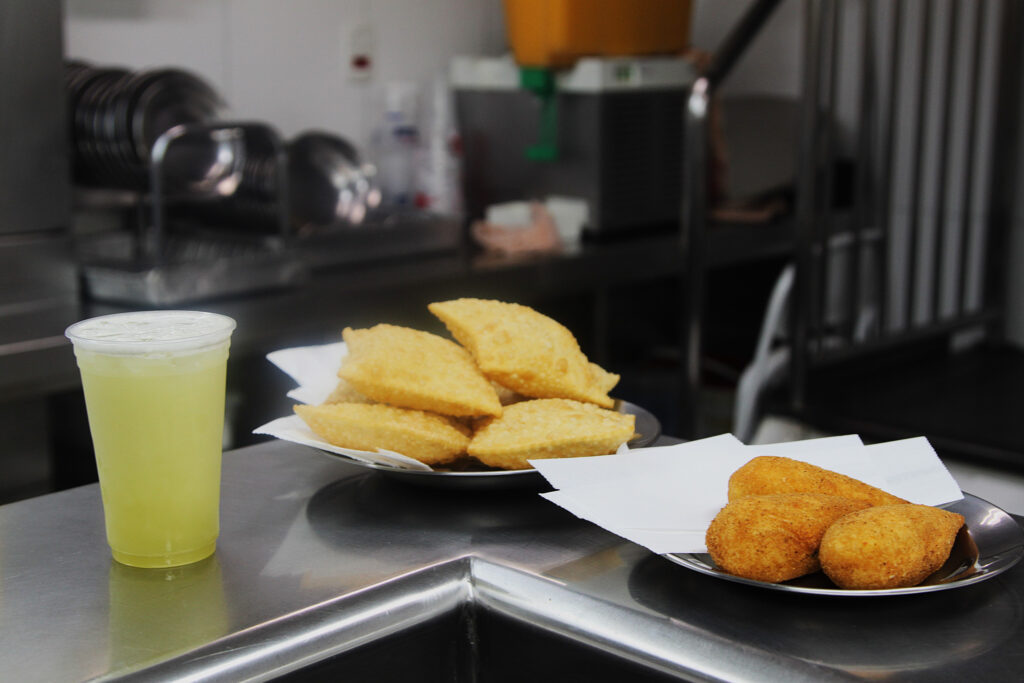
{"points": [[767, 474], [786, 518], [775, 537]]}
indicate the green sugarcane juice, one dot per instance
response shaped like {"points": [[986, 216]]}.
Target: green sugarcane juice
{"points": [[157, 419]]}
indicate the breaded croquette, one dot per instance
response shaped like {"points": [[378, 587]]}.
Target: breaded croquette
{"points": [[766, 475], [549, 428], [774, 538], [888, 546], [427, 437]]}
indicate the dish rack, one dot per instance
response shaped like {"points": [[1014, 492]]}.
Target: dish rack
{"points": [[193, 164]]}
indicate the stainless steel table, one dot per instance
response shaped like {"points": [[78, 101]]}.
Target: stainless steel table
{"points": [[320, 560]]}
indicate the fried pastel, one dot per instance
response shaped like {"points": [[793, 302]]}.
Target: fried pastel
{"points": [[344, 393], [429, 438], [770, 474], [601, 379], [549, 428], [774, 538], [525, 350], [410, 368], [888, 546], [506, 396]]}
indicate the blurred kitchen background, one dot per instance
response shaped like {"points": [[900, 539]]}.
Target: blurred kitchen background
{"points": [[292, 64], [309, 165]]}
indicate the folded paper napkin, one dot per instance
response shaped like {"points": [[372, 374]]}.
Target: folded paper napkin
{"points": [[314, 369], [664, 498]]}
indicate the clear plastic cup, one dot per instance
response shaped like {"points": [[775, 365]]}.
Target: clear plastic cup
{"points": [[154, 386]]}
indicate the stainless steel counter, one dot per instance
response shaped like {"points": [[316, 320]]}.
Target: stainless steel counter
{"points": [[318, 557]]}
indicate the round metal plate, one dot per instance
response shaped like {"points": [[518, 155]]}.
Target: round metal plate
{"points": [[990, 542], [648, 430]]}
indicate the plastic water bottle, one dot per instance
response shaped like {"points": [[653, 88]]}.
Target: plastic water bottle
{"points": [[397, 141], [440, 165]]}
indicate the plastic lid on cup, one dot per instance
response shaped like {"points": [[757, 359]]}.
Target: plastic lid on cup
{"points": [[151, 331]]}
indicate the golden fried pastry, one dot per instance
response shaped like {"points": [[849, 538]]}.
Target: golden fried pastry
{"points": [[410, 368], [429, 438], [525, 351], [601, 379], [549, 428], [775, 537], [770, 474], [344, 393], [506, 396], [888, 546]]}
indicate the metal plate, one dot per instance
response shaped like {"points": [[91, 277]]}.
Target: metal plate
{"points": [[648, 430], [989, 543]]}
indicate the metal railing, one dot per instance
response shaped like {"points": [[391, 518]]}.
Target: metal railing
{"points": [[934, 147], [696, 117]]}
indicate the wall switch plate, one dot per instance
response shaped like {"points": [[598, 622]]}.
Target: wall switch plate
{"points": [[361, 57]]}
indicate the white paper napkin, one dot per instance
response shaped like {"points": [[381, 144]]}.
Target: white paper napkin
{"points": [[314, 369], [664, 498]]}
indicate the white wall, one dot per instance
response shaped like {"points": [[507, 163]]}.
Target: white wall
{"points": [[287, 63], [772, 63]]}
